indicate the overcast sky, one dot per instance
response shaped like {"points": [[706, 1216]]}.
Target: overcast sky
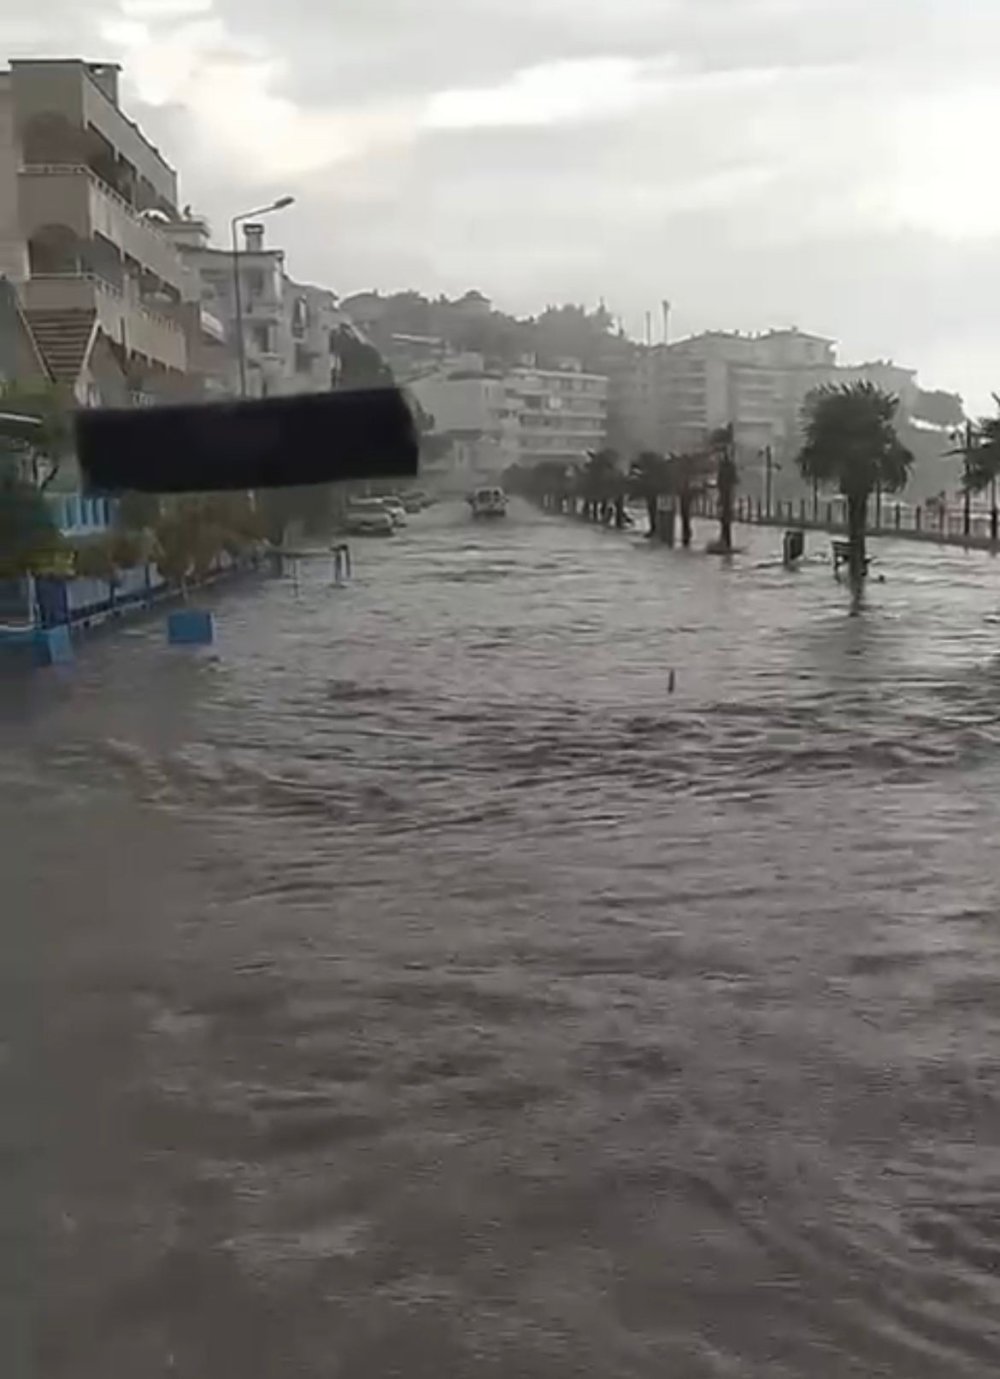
{"points": [[822, 163]]}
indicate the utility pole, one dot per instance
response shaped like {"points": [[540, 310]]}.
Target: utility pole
{"points": [[768, 464]]}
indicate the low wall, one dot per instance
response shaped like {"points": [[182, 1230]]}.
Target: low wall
{"points": [[86, 603]]}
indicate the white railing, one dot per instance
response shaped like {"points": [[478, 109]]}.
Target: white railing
{"points": [[134, 233], [147, 331]]}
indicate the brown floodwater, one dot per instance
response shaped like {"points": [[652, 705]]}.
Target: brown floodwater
{"points": [[413, 986]]}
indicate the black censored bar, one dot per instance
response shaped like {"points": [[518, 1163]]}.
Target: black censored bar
{"points": [[278, 442]]}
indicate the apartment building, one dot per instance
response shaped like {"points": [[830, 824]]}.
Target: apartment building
{"points": [[522, 415], [84, 199], [290, 330], [316, 321], [562, 413], [469, 406], [262, 307], [671, 396]]}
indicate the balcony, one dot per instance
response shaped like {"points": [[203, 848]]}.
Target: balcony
{"points": [[261, 308], [119, 314], [72, 195], [211, 327]]}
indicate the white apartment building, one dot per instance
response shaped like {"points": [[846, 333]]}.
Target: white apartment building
{"points": [[521, 416], [289, 329], [263, 308], [84, 198], [315, 321], [471, 408], [670, 397], [562, 413]]}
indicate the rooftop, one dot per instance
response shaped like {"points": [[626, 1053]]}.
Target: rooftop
{"points": [[92, 71]]}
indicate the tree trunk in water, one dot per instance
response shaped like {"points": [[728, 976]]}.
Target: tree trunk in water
{"points": [[651, 512], [620, 513], [685, 518], [857, 526]]}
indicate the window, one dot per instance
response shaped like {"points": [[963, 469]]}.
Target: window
{"points": [[303, 362], [260, 334], [254, 281]]}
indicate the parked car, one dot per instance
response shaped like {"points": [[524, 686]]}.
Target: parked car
{"points": [[369, 517], [395, 508]]}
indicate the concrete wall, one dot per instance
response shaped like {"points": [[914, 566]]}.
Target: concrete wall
{"points": [[13, 249], [461, 404], [67, 88]]}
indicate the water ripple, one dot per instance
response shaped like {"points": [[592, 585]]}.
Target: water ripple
{"points": [[430, 990]]}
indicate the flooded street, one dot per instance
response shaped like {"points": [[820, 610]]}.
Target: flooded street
{"points": [[415, 987]]}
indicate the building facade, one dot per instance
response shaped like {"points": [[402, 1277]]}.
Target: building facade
{"points": [[84, 196], [562, 414], [671, 397], [315, 322], [289, 329], [519, 416]]}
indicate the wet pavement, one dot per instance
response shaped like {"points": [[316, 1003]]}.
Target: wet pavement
{"points": [[414, 986]]}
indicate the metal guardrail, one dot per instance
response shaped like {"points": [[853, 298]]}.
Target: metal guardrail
{"points": [[924, 521]]}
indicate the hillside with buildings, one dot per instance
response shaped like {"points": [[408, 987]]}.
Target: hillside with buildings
{"points": [[123, 298], [501, 390]]}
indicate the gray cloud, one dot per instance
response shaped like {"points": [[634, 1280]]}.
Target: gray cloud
{"points": [[765, 160]]}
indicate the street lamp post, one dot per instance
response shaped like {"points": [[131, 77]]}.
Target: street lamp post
{"points": [[234, 224]]}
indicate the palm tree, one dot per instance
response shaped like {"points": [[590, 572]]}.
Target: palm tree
{"points": [[967, 447], [601, 480], [650, 477], [979, 446], [851, 441], [552, 482], [988, 465], [690, 476], [722, 446]]}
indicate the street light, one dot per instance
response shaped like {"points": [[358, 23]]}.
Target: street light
{"points": [[278, 205]]}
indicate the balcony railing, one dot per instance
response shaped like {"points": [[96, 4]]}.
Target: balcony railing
{"points": [[44, 201], [119, 314]]}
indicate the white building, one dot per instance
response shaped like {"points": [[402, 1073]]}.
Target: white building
{"points": [[289, 329], [562, 414], [469, 407], [521, 416], [315, 319], [84, 198], [670, 397]]}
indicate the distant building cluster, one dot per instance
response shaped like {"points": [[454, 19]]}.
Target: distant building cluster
{"points": [[125, 298], [116, 291], [518, 415], [669, 396], [666, 398]]}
